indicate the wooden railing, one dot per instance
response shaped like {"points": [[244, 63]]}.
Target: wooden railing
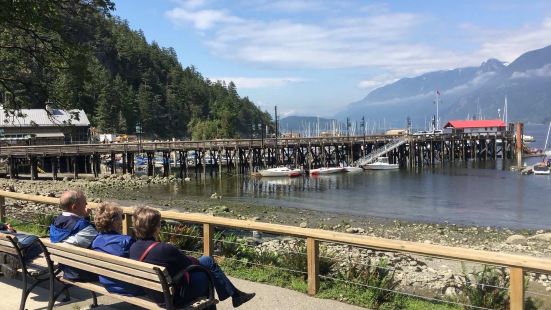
{"points": [[517, 264]]}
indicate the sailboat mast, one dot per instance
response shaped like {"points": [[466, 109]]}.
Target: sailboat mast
{"points": [[547, 138]]}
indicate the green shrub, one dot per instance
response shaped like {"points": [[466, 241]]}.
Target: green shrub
{"points": [[486, 288], [377, 276], [227, 246], [182, 236], [293, 256], [43, 221]]}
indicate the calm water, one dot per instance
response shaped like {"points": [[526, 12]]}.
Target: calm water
{"points": [[465, 193]]}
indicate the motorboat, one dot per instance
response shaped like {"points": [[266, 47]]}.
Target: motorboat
{"points": [[353, 169], [381, 164], [326, 170], [541, 169], [527, 138], [280, 172]]}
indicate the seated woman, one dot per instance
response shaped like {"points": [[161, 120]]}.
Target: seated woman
{"points": [[108, 220], [147, 225]]}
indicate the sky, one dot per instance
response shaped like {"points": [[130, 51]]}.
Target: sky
{"points": [[314, 57]]}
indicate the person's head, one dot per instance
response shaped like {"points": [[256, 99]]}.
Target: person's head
{"points": [[74, 201], [108, 218], [147, 222]]}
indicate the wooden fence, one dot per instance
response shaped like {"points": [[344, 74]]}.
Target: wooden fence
{"points": [[517, 264]]}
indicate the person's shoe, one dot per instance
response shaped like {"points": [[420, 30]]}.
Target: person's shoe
{"points": [[240, 298]]}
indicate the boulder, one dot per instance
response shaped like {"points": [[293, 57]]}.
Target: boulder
{"points": [[303, 225], [516, 239], [355, 230], [541, 237]]}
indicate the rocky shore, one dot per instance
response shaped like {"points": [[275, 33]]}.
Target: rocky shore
{"points": [[415, 272]]}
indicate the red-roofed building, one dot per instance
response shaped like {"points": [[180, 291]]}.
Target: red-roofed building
{"points": [[476, 126]]}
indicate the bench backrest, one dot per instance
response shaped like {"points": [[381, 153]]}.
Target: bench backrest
{"points": [[124, 269], [6, 244]]}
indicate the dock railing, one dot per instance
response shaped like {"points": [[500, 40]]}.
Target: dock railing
{"points": [[517, 264]]}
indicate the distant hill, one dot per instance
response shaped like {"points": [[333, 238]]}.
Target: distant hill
{"points": [[302, 123], [466, 92]]}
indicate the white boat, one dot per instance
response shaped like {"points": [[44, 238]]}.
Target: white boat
{"points": [[353, 169], [381, 164], [541, 169], [328, 170], [527, 138], [280, 172]]}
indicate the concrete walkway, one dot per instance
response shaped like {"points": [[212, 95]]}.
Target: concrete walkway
{"points": [[267, 297]]}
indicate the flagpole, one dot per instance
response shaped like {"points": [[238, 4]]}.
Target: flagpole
{"points": [[437, 116]]}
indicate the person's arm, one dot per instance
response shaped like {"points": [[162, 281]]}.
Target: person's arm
{"points": [[83, 238]]}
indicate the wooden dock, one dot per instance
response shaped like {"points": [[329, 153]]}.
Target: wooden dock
{"points": [[248, 155]]}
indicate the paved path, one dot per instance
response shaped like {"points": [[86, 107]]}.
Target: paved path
{"points": [[267, 297]]}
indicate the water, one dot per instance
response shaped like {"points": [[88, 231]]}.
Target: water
{"points": [[471, 193]]}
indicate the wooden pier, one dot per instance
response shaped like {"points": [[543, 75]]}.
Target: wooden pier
{"points": [[249, 155]]}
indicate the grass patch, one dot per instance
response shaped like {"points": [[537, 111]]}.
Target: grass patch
{"points": [[40, 230]]}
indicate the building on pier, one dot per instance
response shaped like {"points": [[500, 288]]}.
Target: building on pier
{"points": [[475, 126], [43, 127]]}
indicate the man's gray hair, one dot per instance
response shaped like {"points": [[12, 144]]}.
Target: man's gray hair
{"points": [[69, 198]]}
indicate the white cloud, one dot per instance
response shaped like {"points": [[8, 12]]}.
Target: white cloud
{"points": [[507, 45], [544, 71], [203, 19], [255, 82], [366, 37]]}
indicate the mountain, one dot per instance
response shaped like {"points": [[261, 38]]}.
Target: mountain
{"points": [[465, 92], [303, 123]]}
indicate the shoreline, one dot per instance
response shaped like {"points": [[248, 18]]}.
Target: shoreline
{"points": [[127, 190]]}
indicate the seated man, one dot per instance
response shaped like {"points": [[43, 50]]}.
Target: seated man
{"points": [[74, 227], [9, 264]]}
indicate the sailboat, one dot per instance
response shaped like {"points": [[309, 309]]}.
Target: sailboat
{"points": [[545, 150]]}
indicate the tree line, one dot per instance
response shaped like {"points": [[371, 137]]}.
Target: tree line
{"points": [[75, 55]]}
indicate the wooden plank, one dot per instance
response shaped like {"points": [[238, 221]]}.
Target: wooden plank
{"points": [[120, 268], [108, 273], [208, 242], [312, 256], [101, 256], [127, 224], [143, 302], [9, 250], [516, 288]]}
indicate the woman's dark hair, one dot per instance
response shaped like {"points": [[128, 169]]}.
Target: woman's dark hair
{"points": [[146, 222]]}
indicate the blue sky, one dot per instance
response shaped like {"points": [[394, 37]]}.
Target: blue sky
{"points": [[313, 57]]}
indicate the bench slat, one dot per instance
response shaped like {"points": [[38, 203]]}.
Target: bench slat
{"points": [[102, 256], [120, 268], [9, 250], [141, 301], [6, 243], [108, 273]]}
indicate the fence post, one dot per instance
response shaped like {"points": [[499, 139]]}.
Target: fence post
{"points": [[208, 244], [127, 224], [516, 288], [2, 209], [312, 253]]}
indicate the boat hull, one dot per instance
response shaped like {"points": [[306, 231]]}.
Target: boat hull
{"points": [[323, 171], [353, 169], [381, 167], [280, 173]]}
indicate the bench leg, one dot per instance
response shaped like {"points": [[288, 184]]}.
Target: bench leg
{"points": [[25, 292], [94, 300]]}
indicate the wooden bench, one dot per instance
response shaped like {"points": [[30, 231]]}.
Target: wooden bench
{"points": [[36, 271], [141, 274]]}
